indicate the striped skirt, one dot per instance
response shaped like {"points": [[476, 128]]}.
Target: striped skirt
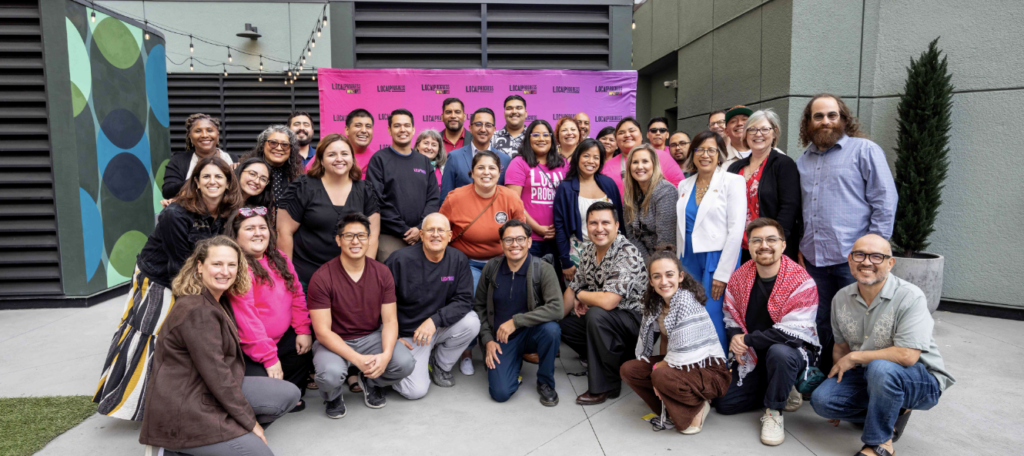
{"points": [[122, 389]]}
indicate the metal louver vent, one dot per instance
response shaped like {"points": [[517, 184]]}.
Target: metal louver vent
{"points": [[245, 105], [475, 35], [29, 257]]}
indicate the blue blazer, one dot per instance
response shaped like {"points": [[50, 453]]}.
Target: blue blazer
{"points": [[567, 212], [456, 169]]}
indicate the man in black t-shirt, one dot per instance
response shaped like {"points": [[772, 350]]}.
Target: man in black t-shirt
{"points": [[406, 187], [434, 287], [770, 308]]}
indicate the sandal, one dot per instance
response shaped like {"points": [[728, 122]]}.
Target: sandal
{"points": [[311, 384], [299, 407], [878, 449], [354, 387]]}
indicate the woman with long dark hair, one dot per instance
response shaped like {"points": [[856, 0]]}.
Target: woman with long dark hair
{"points": [[256, 185], [680, 384], [535, 174], [273, 321], [202, 138], [198, 213]]}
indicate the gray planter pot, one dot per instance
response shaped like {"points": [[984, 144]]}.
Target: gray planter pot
{"points": [[925, 271]]}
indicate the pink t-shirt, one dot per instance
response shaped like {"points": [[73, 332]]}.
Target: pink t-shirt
{"points": [[669, 169], [265, 313], [539, 184]]}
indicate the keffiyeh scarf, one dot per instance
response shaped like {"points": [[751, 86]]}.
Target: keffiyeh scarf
{"points": [[792, 305], [692, 339]]}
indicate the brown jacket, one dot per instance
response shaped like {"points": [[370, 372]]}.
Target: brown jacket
{"points": [[194, 396]]}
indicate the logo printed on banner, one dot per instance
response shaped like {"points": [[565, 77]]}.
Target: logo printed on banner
{"points": [[479, 89], [432, 118], [526, 89], [531, 118], [348, 88], [436, 88], [559, 116], [565, 89], [382, 116], [612, 90], [340, 117], [393, 88], [608, 119]]}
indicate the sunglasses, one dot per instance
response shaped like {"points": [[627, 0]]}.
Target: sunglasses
{"points": [[250, 211], [658, 130]]}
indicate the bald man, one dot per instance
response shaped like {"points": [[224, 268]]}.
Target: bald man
{"points": [[583, 120], [434, 290], [886, 360]]}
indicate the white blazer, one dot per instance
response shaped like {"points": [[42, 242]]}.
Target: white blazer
{"points": [[721, 218]]}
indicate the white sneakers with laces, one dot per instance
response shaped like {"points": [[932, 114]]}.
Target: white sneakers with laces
{"points": [[466, 366], [772, 431]]}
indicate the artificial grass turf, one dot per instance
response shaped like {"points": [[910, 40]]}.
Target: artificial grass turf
{"points": [[27, 424]]}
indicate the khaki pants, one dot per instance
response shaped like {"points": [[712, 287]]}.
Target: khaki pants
{"points": [[388, 244]]}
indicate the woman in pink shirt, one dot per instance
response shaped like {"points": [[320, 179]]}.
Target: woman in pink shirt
{"points": [[628, 134], [534, 175], [273, 322]]}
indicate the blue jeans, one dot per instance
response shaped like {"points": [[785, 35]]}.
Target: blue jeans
{"points": [[543, 339], [829, 280], [874, 395]]}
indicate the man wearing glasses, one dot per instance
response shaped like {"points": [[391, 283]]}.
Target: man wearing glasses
{"points": [[716, 123], [847, 192], [519, 303], [770, 306], [456, 169], [510, 138], [887, 362], [351, 302], [434, 288], [678, 145]]}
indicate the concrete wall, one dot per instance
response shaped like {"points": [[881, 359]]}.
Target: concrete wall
{"points": [[285, 28], [778, 54]]}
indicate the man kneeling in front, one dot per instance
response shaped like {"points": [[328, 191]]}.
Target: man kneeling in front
{"points": [[519, 293], [886, 360], [351, 302]]}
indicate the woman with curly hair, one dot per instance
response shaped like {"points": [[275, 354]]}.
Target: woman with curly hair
{"points": [[198, 213], [202, 135], [198, 400], [273, 321], [680, 384], [279, 146]]}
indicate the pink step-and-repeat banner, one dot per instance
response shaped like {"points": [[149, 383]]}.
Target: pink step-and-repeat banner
{"points": [[606, 96]]}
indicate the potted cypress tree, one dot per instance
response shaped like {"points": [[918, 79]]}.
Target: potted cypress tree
{"points": [[921, 165]]}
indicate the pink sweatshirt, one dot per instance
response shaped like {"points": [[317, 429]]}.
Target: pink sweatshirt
{"points": [[266, 312]]}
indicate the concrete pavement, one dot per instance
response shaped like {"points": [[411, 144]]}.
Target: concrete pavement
{"points": [[60, 352]]}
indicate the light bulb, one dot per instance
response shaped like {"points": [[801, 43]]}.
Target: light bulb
{"points": [[94, 16], [313, 43], [318, 29], [325, 18], [309, 52], [147, 35], [229, 55]]}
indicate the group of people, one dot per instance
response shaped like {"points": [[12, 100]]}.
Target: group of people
{"points": [[334, 267]]}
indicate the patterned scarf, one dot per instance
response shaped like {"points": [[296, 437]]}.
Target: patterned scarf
{"points": [[692, 339], [792, 305]]}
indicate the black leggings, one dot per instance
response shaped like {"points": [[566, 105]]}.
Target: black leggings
{"points": [[296, 367]]}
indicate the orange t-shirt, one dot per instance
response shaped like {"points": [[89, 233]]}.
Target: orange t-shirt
{"points": [[481, 241]]}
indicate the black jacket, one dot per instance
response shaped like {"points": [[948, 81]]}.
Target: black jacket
{"points": [[175, 236], [778, 195], [174, 174]]}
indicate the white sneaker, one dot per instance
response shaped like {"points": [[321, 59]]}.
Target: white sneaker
{"points": [[794, 401], [466, 366], [772, 432]]}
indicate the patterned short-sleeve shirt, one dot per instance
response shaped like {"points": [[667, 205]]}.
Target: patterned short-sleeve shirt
{"points": [[897, 317], [507, 143], [621, 271]]}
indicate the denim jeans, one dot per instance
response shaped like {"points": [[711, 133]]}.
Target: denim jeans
{"points": [[829, 280], [476, 267], [543, 339], [874, 395]]}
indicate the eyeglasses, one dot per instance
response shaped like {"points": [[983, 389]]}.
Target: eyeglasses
{"points": [[250, 211], [540, 135], [658, 130], [436, 231], [720, 123], [763, 130], [772, 241], [876, 258], [254, 175], [819, 116], [279, 145], [362, 237], [709, 151], [521, 240], [678, 144], [481, 124]]}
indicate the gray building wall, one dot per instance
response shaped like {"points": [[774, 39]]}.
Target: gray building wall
{"points": [[778, 53], [285, 28]]}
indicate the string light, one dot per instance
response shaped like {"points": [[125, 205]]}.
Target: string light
{"points": [[225, 69], [314, 43], [191, 48], [318, 29], [261, 63], [325, 18], [94, 15], [314, 73], [147, 30], [229, 55], [309, 51], [190, 67]]}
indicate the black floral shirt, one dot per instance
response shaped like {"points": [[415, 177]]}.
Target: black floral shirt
{"points": [[622, 271]]}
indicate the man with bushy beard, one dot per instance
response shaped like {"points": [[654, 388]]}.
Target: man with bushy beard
{"points": [[770, 308], [847, 191], [301, 123]]}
